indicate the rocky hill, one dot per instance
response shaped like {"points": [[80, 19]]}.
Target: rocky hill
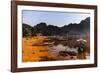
{"points": [[48, 30]]}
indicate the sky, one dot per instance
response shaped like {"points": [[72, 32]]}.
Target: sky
{"points": [[52, 18]]}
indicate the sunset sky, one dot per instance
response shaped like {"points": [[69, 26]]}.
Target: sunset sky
{"points": [[52, 18]]}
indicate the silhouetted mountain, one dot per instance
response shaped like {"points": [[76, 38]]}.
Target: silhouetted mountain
{"points": [[82, 28]]}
